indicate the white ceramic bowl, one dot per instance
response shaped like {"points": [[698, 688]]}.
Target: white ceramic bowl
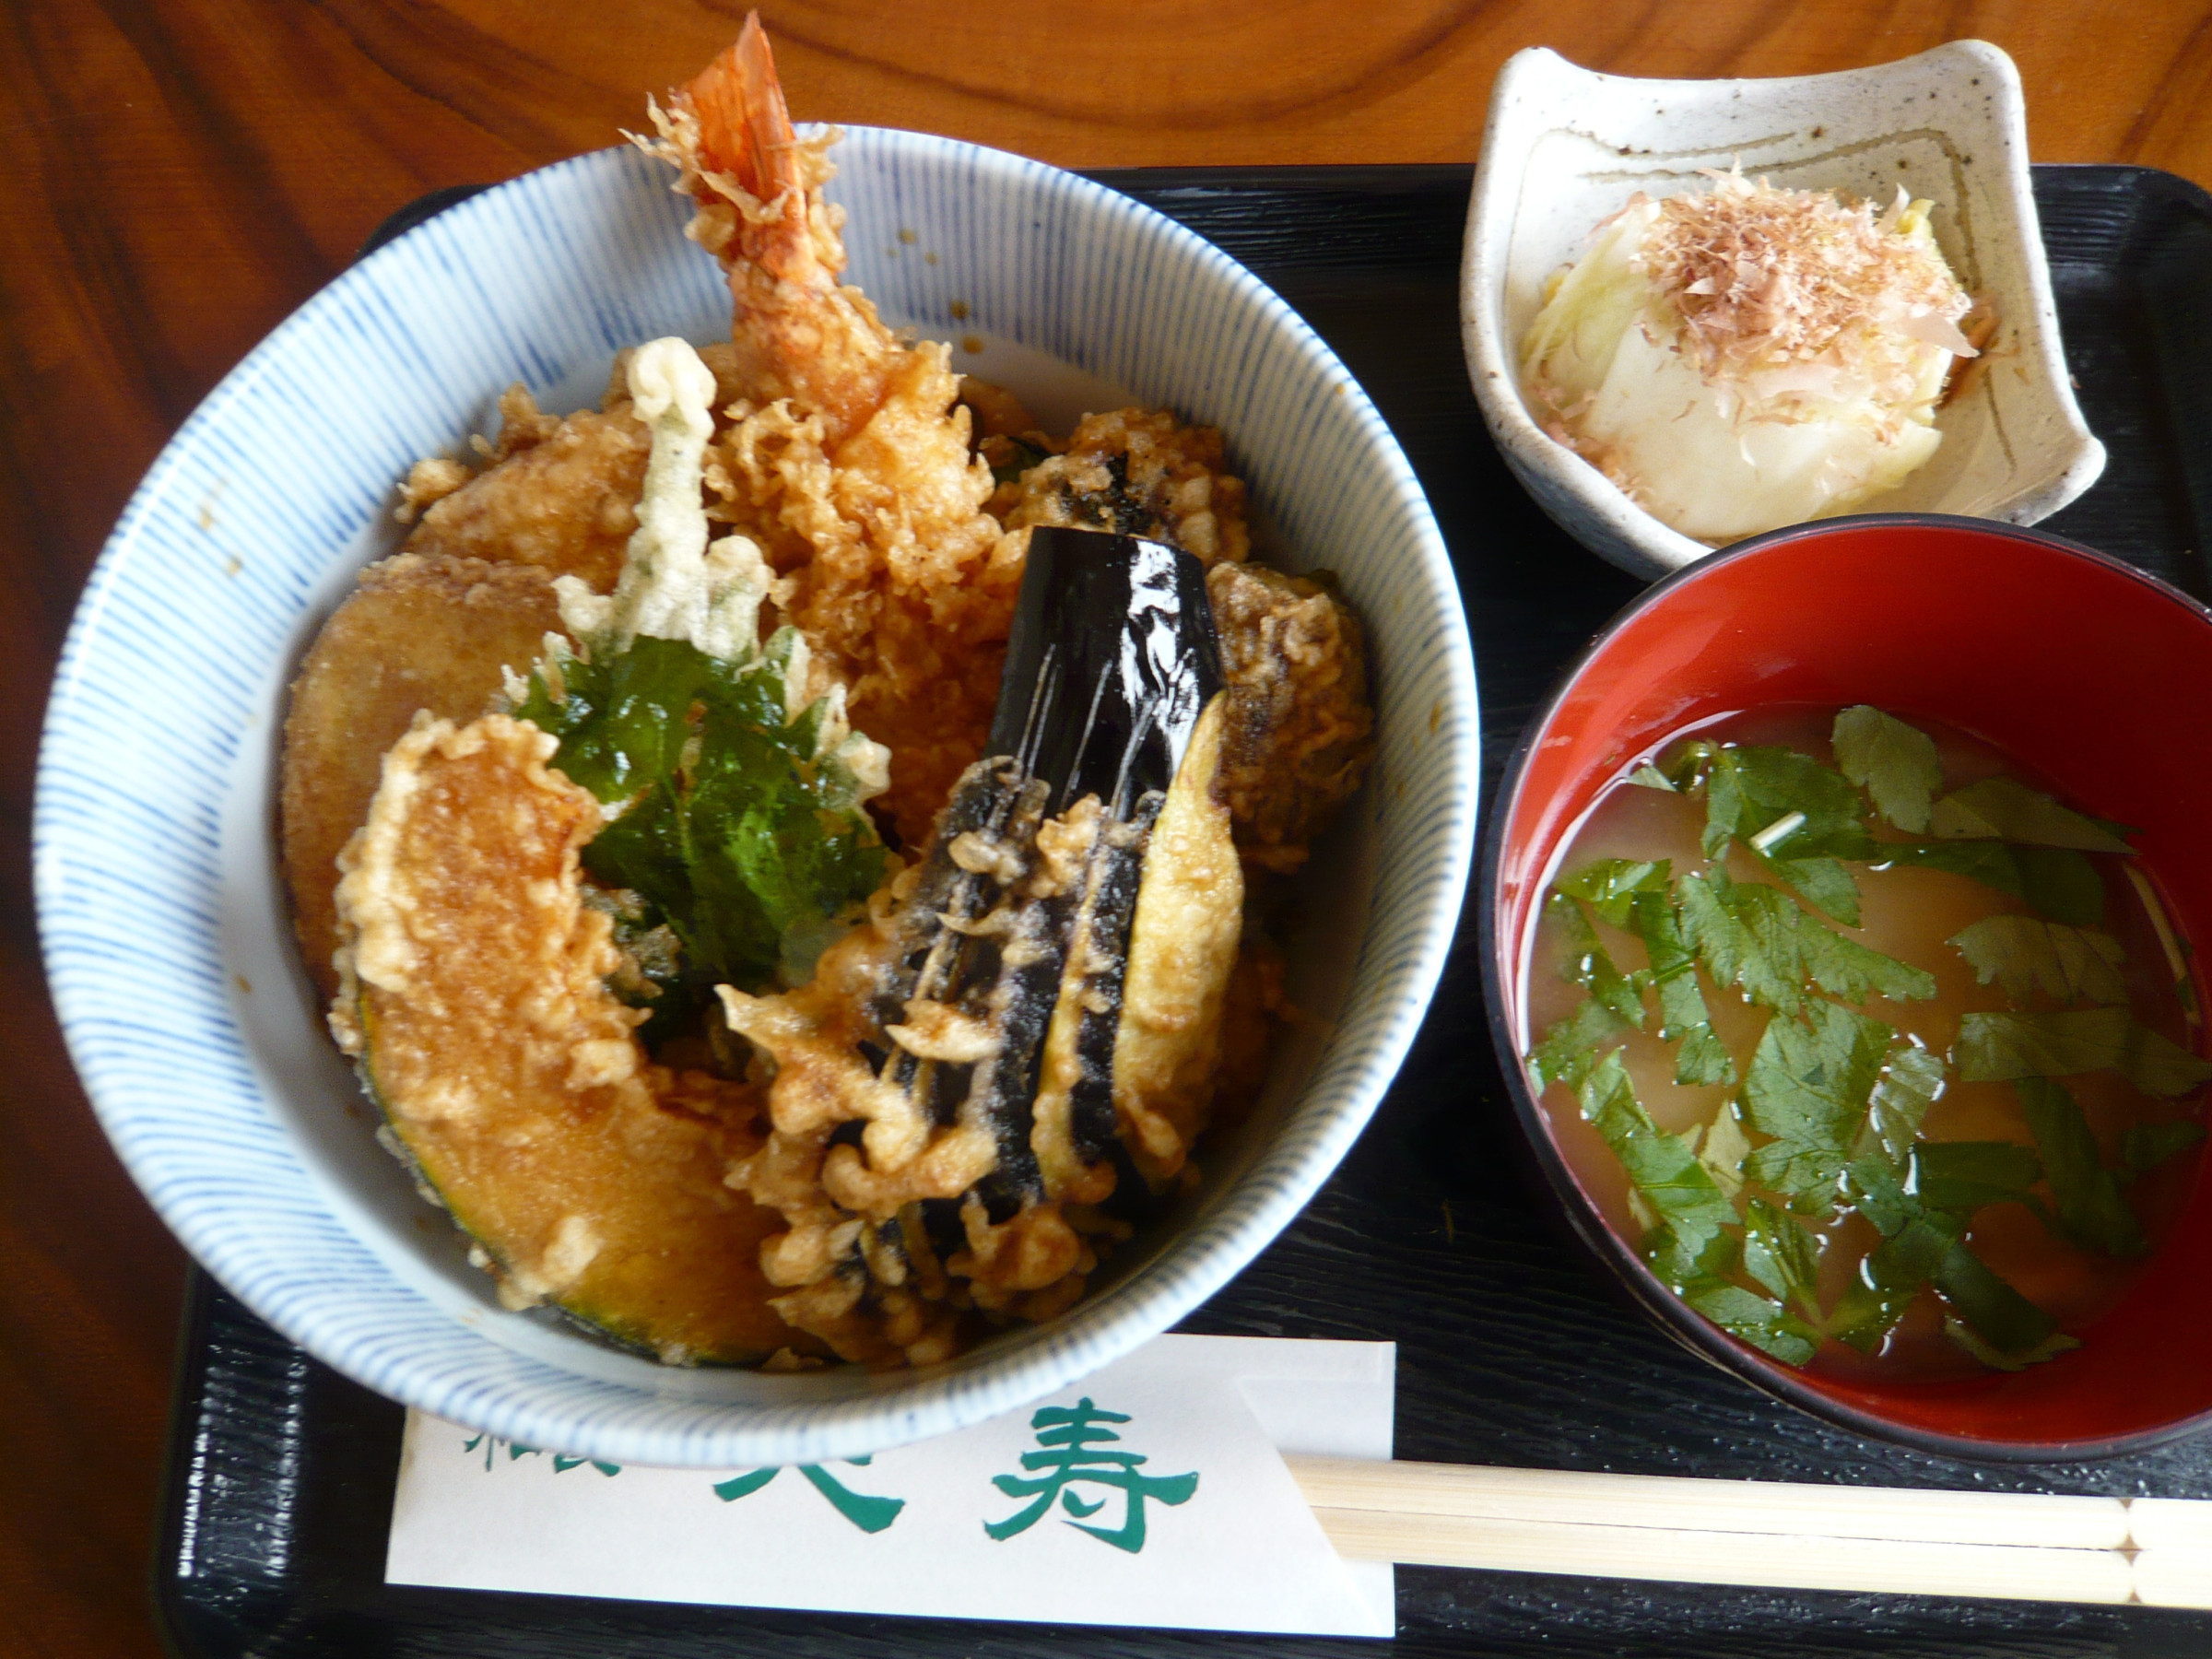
{"points": [[1566, 147], [154, 869]]}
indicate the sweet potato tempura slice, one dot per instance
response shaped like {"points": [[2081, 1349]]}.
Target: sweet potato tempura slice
{"points": [[474, 994]]}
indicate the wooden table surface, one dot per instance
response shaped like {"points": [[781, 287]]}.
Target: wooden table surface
{"points": [[182, 173]]}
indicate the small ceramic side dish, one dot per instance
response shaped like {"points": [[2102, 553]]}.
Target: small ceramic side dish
{"points": [[1566, 149], [2082, 668]]}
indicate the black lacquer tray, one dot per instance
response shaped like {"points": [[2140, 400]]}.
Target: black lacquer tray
{"points": [[1510, 1349]]}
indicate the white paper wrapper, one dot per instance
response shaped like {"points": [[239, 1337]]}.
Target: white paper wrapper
{"points": [[1153, 1493]]}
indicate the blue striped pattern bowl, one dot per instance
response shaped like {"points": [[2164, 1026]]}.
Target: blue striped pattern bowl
{"points": [[160, 907]]}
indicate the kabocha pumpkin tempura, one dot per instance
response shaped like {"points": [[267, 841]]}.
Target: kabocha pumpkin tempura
{"points": [[1883, 1059], [780, 845]]}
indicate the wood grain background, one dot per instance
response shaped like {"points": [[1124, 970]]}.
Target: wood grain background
{"points": [[182, 173]]}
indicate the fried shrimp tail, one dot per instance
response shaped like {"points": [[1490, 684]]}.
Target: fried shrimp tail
{"points": [[798, 333], [745, 136]]}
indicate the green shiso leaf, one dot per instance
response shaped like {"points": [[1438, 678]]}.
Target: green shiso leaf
{"points": [[2025, 954], [2144, 1146], [2000, 1047], [2005, 810], [736, 831], [2092, 1209], [1894, 763]]}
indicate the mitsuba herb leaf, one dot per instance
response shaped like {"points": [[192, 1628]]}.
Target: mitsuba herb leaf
{"points": [[2025, 954], [1570, 1047], [2092, 1209], [1848, 969], [1611, 885], [2000, 1047], [1015, 457], [1648, 776], [1798, 816], [2005, 810], [1912, 1080], [1746, 934], [1757, 937], [1894, 1272], [1673, 973], [2050, 1348], [1810, 1085], [1686, 1256], [1780, 1254], [2170, 944], [2144, 1146], [2058, 882], [1767, 1327], [1824, 883], [1692, 1209], [1750, 788], [1962, 1176], [1991, 1307], [1920, 1247], [1587, 964], [1894, 763], [741, 828]]}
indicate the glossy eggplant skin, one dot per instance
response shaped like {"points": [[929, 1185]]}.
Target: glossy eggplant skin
{"points": [[1111, 663], [1001, 1003], [1111, 659]]}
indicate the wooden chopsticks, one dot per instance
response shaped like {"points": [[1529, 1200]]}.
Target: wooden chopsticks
{"points": [[2013, 1546]]}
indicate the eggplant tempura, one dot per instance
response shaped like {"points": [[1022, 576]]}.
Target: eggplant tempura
{"points": [[804, 909]]}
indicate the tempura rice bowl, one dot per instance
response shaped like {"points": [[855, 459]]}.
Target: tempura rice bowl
{"points": [[189, 1016]]}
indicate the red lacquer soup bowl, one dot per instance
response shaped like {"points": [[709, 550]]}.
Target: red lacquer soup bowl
{"points": [[2096, 679]]}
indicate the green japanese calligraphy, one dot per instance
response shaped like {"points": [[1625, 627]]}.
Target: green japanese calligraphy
{"points": [[562, 1462], [1074, 1437], [870, 1515]]}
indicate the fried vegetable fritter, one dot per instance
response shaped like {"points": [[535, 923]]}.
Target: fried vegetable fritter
{"points": [[561, 493], [475, 995], [417, 633], [1299, 734]]}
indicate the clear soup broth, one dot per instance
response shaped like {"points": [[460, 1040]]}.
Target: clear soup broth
{"points": [[1941, 1106]]}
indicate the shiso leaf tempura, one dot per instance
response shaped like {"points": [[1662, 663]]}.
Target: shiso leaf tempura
{"points": [[1814, 1208], [1743, 356]]}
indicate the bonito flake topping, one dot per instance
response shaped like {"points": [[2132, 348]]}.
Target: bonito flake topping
{"points": [[1743, 357]]}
